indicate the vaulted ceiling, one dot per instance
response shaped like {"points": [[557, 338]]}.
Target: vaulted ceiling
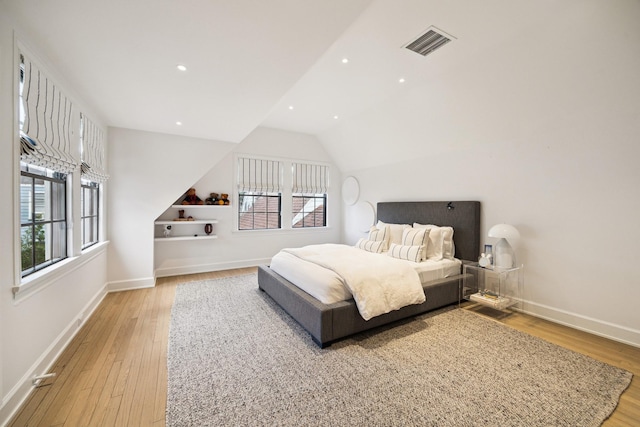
{"points": [[274, 63]]}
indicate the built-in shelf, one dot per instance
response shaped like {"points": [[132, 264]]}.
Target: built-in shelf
{"points": [[198, 206], [186, 229], [176, 238], [195, 221]]}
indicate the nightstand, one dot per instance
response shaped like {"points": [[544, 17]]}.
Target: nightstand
{"points": [[499, 288]]}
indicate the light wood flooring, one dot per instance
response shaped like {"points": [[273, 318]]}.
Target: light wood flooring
{"points": [[113, 373]]}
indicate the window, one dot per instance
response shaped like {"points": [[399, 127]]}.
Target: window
{"points": [[43, 224], [309, 210], [89, 218], [310, 183], [259, 211], [259, 194]]}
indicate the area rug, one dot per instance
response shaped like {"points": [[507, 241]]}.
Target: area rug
{"points": [[236, 359]]}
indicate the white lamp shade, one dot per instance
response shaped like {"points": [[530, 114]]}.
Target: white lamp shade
{"points": [[504, 231]]}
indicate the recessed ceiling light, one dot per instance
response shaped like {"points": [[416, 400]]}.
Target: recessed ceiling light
{"points": [[401, 80], [179, 123], [181, 67], [345, 60], [290, 107], [335, 117]]}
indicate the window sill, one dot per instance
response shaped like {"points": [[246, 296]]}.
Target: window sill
{"points": [[41, 279], [281, 231]]}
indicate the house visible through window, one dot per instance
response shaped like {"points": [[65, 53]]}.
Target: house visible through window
{"points": [[309, 210], [259, 211], [43, 224], [89, 196]]}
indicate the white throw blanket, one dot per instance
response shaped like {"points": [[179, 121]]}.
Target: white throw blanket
{"points": [[379, 284]]}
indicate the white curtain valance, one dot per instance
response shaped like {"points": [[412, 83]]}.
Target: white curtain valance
{"points": [[260, 176], [92, 154], [310, 178], [46, 135]]}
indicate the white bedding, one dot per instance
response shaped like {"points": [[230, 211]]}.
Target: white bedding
{"points": [[326, 286], [379, 284]]}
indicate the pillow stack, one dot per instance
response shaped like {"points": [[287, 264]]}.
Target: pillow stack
{"points": [[418, 243]]}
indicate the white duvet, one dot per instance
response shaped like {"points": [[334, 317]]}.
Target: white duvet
{"points": [[378, 284]]}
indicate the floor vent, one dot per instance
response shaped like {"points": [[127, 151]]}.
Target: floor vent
{"points": [[428, 42]]}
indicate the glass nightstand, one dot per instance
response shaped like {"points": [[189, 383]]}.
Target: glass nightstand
{"points": [[497, 288]]}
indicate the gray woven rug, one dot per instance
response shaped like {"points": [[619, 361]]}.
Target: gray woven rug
{"points": [[236, 359]]}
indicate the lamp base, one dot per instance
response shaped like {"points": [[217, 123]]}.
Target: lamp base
{"points": [[505, 257]]}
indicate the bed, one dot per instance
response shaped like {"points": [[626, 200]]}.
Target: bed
{"points": [[327, 323]]}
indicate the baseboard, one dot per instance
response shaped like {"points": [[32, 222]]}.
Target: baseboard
{"points": [[19, 394], [203, 268], [127, 285], [593, 326]]}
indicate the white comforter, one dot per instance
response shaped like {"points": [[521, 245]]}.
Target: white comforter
{"points": [[379, 284]]}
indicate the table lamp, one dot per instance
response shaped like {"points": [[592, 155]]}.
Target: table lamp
{"points": [[504, 257]]}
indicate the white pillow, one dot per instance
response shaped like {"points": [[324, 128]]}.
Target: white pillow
{"points": [[395, 231], [416, 237], [409, 253], [435, 250], [448, 248], [380, 235], [439, 234], [370, 245]]}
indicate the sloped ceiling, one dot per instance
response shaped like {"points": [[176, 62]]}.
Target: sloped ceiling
{"points": [[279, 64], [242, 56]]}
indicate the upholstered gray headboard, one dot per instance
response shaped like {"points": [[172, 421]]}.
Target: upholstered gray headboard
{"points": [[464, 217]]}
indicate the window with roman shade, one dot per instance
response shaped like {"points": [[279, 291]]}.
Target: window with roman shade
{"points": [[46, 136], [310, 183], [92, 151], [259, 194]]}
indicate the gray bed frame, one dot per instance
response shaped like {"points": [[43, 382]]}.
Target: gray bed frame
{"points": [[330, 322]]}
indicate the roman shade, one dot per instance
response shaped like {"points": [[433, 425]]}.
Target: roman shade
{"points": [[92, 154], [259, 175], [310, 178], [46, 136]]}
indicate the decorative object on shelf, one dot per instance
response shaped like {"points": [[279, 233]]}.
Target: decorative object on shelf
{"points": [[167, 230], [504, 255], [208, 228], [181, 214], [217, 199], [191, 198], [486, 259], [212, 199]]}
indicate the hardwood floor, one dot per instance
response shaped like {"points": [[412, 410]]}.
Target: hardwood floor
{"points": [[113, 373]]}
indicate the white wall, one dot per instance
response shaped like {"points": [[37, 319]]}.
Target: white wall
{"points": [[36, 326], [544, 132], [239, 249], [149, 171]]}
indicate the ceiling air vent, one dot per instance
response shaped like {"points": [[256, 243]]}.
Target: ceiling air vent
{"points": [[428, 42]]}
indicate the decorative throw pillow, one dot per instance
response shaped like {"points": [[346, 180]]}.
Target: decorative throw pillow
{"points": [[380, 235], [409, 253], [416, 237], [435, 251], [370, 245], [395, 231]]}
